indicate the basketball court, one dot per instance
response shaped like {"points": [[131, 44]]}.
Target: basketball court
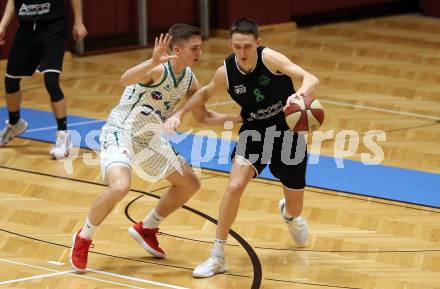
{"points": [[371, 225]]}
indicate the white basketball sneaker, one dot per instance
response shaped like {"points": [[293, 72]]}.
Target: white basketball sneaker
{"points": [[297, 226], [214, 265], [11, 131], [62, 145]]}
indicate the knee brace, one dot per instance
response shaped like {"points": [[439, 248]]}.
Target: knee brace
{"points": [[51, 81], [12, 85]]}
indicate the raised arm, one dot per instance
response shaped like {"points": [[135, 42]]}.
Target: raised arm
{"points": [[278, 62], [79, 30], [6, 19], [145, 72], [197, 101]]}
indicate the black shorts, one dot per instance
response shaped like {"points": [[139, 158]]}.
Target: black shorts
{"points": [[283, 150], [37, 45]]}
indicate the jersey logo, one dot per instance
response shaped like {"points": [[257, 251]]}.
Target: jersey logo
{"points": [[167, 87], [149, 110], [34, 9], [263, 80], [239, 89], [156, 95], [265, 113]]}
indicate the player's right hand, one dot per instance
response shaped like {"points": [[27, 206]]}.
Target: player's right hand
{"points": [[171, 124], [79, 31], [160, 51], [291, 99], [2, 35]]}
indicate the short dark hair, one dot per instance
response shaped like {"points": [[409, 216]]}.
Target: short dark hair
{"points": [[244, 26], [182, 31]]}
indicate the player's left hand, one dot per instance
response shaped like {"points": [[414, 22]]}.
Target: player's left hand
{"points": [[79, 31]]}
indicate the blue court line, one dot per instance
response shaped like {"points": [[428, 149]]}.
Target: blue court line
{"points": [[380, 181]]}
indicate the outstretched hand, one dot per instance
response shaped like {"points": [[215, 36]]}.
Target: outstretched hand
{"points": [[171, 124], [160, 52]]}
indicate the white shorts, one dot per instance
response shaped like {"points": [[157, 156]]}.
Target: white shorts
{"points": [[153, 159]]}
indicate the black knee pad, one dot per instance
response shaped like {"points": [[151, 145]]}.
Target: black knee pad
{"points": [[51, 80], [12, 85]]}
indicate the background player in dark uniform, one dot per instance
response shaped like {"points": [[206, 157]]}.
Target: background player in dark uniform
{"points": [[259, 79], [39, 44]]}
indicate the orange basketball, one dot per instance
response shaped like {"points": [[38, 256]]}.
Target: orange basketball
{"points": [[304, 114]]}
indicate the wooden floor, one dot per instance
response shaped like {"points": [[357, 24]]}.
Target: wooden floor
{"points": [[378, 74]]}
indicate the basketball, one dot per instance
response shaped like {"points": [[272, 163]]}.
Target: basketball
{"points": [[304, 114]]}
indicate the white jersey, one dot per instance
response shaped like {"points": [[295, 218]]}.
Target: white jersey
{"points": [[143, 107]]}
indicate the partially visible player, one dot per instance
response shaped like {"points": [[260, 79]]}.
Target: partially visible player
{"points": [[39, 44], [131, 138]]}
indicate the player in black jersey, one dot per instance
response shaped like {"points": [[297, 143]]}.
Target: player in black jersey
{"points": [[39, 44], [260, 80]]}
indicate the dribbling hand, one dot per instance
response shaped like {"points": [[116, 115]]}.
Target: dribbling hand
{"points": [[292, 99]]}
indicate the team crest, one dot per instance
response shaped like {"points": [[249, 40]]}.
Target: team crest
{"points": [[240, 89], [263, 80], [156, 95]]}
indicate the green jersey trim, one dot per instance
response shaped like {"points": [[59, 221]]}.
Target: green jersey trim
{"points": [[179, 78], [190, 83], [133, 106], [165, 74]]}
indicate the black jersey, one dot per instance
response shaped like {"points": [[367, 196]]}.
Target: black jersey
{"points": [[40, 10], [260, 93]]}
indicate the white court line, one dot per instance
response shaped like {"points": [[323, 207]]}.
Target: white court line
{"points": [[28, 265], [73, 124], [55, 263], [35, 277], [110, 282], [57, 272], [350, 105], [136, 279], [381, 109]]}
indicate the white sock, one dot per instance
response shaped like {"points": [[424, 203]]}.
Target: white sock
{"points": [[88, 230], [152, 220], [286, 215], [219, 248]]}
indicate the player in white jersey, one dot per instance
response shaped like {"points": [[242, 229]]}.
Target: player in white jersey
{"points": [[131, 139]]}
